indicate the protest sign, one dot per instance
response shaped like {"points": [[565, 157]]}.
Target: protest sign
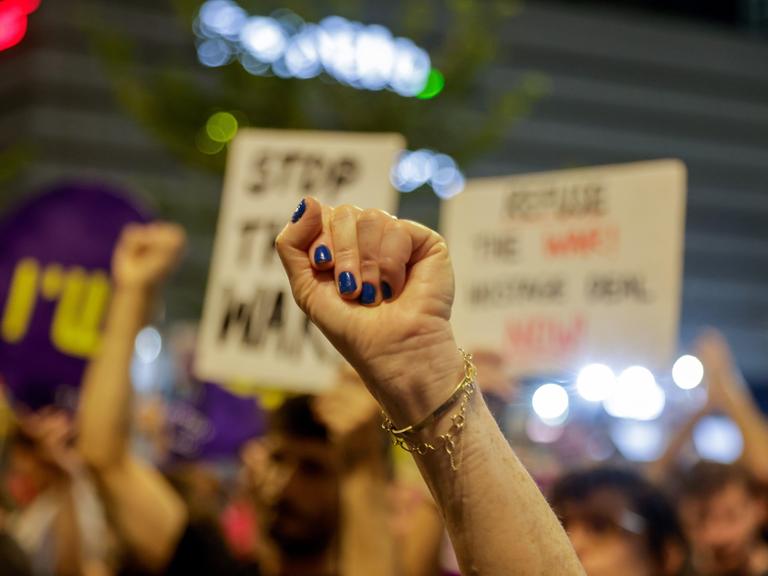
{"points": [[251, 327], [558, 269], [55, 286]]}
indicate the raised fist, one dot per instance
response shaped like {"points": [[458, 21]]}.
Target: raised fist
{"points": [[725, 384], [381, 290], [146, 254]]}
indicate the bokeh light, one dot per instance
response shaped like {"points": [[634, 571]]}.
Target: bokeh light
{"points": [[302, 58], [718, 438], [363, 56], [414, 169], [435, 84], [263, 38], [550, 403], [207, 146], [411, 68], [595, 382], [221, 127], [636, 396], [221, 18], [148, 345], [638, 441], [541, 432], [687, 372], [13, 24], [214, 52], [374, 57]]}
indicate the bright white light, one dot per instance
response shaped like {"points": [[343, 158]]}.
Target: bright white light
{"points": [[636, 396], [264, 38], [253, 65], [638, 441], [688, 372], [541, 432], [301, 56], [336, 40], [223, 18], [448, 182], [413, 169], [718, 438], [374, 57], [361, 56], [148, 345], [550, 402], [214, 53], [595, 382], [410, 68]]}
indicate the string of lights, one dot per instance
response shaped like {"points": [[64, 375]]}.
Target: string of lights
{"points": [[367, 57]]}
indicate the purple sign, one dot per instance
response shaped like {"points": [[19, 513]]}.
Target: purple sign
{"points": [[214, 424], [55, 286]]}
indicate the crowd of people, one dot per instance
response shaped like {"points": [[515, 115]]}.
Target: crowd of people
{"points": [[323, 491]]}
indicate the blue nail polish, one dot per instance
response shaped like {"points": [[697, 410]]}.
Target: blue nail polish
{"points": [[299, 212], [367, 293], [322, 254], [347, 283], [386, 291]]}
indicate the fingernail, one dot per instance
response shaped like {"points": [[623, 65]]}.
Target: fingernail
{"points": [[386, 291], [322, 254], [299, 212], [368, 293], [347, 283]]}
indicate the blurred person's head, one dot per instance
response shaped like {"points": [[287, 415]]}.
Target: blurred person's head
{"points": [[28, 474], [298, 494], [39, 452], [722, 512], [619, 523]]}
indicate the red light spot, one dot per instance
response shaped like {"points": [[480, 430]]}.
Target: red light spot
{"points": [[13, 24], [26, 6]]}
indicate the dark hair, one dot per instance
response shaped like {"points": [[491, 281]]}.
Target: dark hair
{"points": [[642, 498], [705, 479], [18, 438], [296, 417]]}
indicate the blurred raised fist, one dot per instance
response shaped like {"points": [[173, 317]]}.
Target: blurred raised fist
{"points": [[381, 290], [146, 254], [724, 381], [351, 416]]}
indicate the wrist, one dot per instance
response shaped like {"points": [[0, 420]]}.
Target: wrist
{"points": [[421, 380], [131, 305], [133, 288]]}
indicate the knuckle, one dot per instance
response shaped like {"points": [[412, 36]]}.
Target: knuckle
{"points": [[369, 266], [394, 227], [346, 254], [370, 217], [389, 263], [345, 212]]}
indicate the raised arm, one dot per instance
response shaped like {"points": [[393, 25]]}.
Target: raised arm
{"points": [[659, 470], [366, 546], [146, 510], [729, 394], [404, 349]]}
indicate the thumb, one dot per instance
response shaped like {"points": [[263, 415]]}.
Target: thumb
{"points": [[294, 241]]}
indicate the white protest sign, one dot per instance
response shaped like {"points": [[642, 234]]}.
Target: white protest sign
{"points": [[251, 328], [558, 269]]}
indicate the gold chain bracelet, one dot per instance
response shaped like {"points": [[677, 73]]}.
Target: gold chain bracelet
{"points": [[463, 392]]}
